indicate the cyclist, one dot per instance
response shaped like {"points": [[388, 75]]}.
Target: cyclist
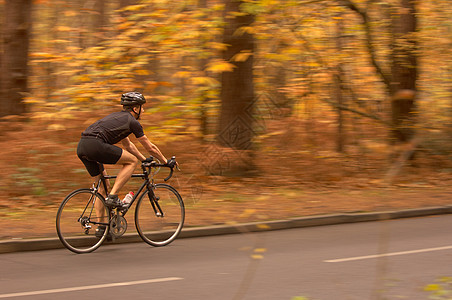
{"points": [[97, 144]]}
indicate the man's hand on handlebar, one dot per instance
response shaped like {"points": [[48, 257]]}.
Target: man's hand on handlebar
{"points": [[172, 162], [148, 160]]}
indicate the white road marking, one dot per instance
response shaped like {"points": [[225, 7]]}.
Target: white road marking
{"points": [[388, 254], [89, 287]]}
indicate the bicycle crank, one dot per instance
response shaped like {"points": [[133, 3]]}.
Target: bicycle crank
{"points": [[118, 226]]}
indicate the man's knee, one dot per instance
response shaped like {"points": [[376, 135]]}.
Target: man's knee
{"points": [[132, 161], [136, 161], [128, 159]]}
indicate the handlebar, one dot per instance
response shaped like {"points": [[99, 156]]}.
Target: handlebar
{"points": [[151, 163]]}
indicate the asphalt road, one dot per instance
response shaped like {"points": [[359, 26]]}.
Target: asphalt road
{"points": [[391, 259]]}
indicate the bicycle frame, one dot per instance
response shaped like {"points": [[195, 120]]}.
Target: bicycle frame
{"points": [[146, 184]]}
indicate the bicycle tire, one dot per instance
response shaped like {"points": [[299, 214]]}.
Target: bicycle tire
{"points": [[77, 219], [158, 230]]}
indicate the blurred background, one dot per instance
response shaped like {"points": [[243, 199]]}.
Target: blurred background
{"points": [[274, 108]]}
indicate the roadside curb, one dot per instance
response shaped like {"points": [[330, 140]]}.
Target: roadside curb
{"points": [[8, 246]]}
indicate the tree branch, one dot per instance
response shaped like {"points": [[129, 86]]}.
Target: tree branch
{"points": [[361, 113], [370, 46]]}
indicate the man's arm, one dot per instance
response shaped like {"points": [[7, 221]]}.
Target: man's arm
{"points": [[129, 146], [152, 149]]}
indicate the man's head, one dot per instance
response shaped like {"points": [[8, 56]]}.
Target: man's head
{"points": [[133, 102]]}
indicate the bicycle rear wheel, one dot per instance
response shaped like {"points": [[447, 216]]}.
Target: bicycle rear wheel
{"points": [[160, 219], [78, 217]]}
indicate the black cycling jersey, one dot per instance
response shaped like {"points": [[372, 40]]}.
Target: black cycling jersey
{"points": [[115, 127]]}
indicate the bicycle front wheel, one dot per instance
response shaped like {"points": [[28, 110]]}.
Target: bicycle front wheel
{"points": [[159, 215], [82, 221]]}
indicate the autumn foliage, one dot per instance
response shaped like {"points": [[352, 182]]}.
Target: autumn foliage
{"points": [[327, 103]]}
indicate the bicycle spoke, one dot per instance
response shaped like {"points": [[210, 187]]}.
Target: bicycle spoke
{"points": [[160, 219], [78, 217]]}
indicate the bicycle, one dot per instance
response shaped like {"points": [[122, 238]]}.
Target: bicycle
{"points": [[159, 213]]}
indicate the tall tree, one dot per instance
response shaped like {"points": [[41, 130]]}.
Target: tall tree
{"points": [[237, 88], [14, 65], [404, 70], [202, 62], [338, 77], [401, 78]]}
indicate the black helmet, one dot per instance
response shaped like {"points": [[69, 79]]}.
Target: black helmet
{"points": [[132, 98]]}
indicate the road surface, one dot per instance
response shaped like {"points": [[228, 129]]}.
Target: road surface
{"points": [[392, 259]]}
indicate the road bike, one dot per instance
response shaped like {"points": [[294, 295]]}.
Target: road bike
{"points": [[84, 221]]}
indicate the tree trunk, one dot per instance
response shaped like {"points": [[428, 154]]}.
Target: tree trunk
{"points": [[401, 80], [14, 66], [340, 140], [404, 71], [202, 62], [237, 90], [2, 54], [52, 82]]}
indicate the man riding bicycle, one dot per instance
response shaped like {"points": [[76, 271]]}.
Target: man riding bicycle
{"points": [[97, 144]]}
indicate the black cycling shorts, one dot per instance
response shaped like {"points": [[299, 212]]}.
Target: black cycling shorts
{"points": [[94, 152]]}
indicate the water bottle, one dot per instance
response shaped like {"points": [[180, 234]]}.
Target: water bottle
{"points": [[127, 199]]}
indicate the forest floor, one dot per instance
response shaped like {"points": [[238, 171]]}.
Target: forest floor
{"points": [[292, 177]]}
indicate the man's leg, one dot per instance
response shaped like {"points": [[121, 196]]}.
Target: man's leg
{"points": [[129, 162], [98, 204]]}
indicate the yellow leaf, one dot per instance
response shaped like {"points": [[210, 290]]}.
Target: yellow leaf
{"points": [[84, 78], [60, 41], [217, 46], [205, 81], [242, 56], [432, 287], [135, 7], [257, 256], [63, 28], [263, 226], [220, 66], [182, 74], [293, 50], [218, 7], [263, 198], [260, 250], [244, 29], [247, 212], [70, 13], [33, 101], [142, 72], [124, 25], [41, 54], [56, 127]]}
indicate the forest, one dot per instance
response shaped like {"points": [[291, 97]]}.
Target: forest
{"points": [[295, 101]]}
